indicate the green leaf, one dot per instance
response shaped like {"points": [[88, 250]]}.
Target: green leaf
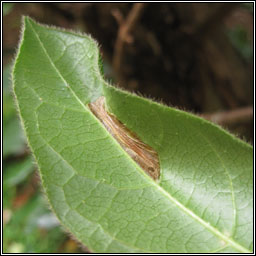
{"points": [[240, 40], [203, 200], [7, 8], [13, 137], [17, 172]]}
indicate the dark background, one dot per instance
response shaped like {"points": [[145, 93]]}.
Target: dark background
{"points": [[195, 56]]}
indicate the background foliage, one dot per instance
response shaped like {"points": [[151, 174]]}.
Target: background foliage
{"points": [[159, 73]]}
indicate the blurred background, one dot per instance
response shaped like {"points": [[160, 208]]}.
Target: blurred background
{"points": [[194, 56]]}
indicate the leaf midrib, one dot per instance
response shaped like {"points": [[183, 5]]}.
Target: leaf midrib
{"points": [[207, 225]]}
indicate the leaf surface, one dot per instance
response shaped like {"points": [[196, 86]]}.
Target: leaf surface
{"points": [[203, 199]]}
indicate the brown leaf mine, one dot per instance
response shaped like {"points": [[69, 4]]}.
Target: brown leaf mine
{"points": [[145, 156]]}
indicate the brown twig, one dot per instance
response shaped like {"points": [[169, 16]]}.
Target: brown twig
{"points": [[230, 117], [124, 35]]}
